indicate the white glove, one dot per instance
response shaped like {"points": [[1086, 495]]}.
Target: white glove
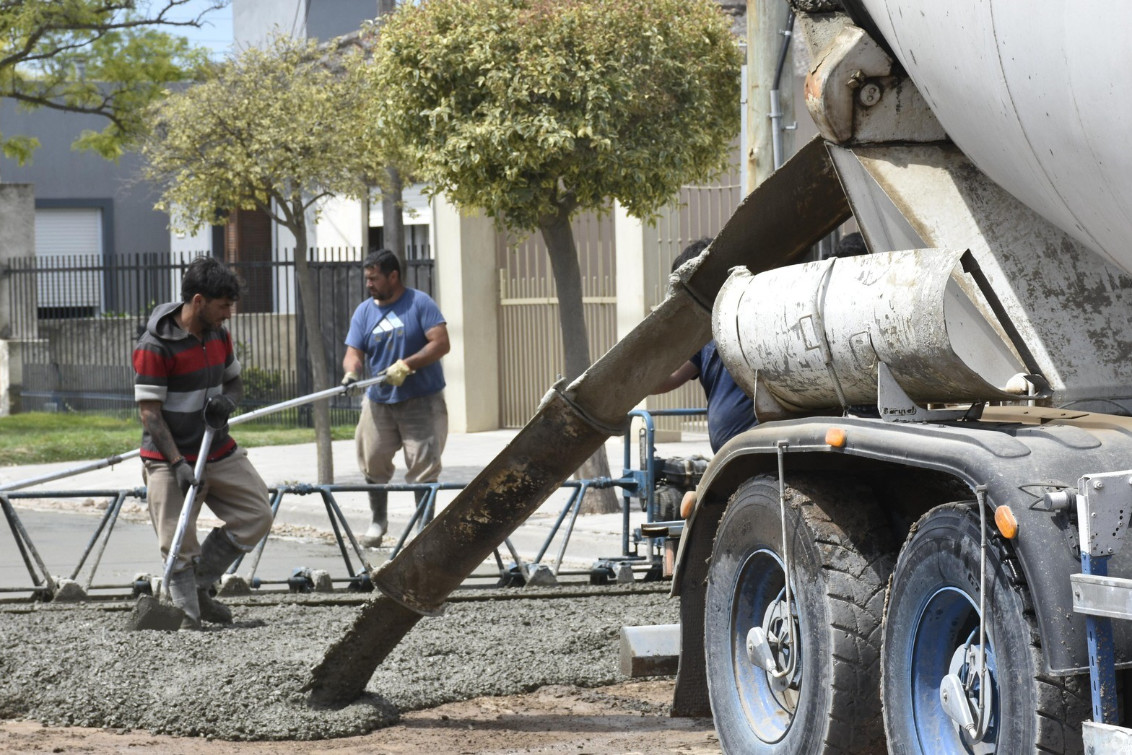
{"points": [[396, 373]]}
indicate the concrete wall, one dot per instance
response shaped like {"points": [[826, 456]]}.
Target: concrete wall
{"points": [[333, 18], [67, 177], [17, 219], [340, 224], [468, 296], [102, 365], [254, 21]]}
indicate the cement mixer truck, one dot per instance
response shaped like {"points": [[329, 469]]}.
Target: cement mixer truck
{"points": [[920, 546]]}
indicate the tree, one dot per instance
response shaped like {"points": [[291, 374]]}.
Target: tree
{"points": [[535, 110], [392, 204], [104, 57], [274, 130]]}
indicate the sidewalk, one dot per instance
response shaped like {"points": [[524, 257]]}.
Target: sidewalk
{"points": [[302, 522]]}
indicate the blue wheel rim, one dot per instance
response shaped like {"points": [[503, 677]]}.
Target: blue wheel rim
{"points": [[759, 584], [948, 619]]}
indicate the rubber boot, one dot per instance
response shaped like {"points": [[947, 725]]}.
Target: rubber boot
{"points": [[183, 593], [379, 519], [217, 553]]}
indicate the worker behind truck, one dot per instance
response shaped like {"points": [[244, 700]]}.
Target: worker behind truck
{"points": [[401, 332], [730, 411], [186, 375]]}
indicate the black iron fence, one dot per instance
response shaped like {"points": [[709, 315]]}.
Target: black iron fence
{"points": [[75, 320]]}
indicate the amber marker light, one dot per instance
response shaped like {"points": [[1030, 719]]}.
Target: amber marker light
{"points": [[835, 437], [687, 504], [1006, 523]]}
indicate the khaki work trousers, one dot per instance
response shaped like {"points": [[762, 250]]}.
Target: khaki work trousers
{"points": [[231, 489], [419, 425]]}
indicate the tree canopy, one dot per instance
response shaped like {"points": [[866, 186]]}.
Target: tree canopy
{"points": [[273, 130], [106, 57], [534, 110], [528, 107]]}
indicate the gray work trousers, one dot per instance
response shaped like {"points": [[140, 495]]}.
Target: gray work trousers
{"points": [[419, 426], [232, 489]]}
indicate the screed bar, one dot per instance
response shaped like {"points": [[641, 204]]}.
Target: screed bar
{"points": [[248, 417]]}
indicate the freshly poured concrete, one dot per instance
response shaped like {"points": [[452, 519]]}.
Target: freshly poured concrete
{"points": [[81, 666]]}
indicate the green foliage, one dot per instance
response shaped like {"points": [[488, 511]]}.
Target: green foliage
{"points": [[261, 384], [104, 57], [274, 130], [526, 108]]}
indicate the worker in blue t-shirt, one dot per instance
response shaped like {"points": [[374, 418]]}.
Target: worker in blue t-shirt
{"points": [[400, 331], [730, 411]]}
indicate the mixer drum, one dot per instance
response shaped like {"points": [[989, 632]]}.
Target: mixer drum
{"points": [[814, 333]]}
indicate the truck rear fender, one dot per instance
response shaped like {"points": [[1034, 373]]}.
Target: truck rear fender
{"points": [[913, 468]]}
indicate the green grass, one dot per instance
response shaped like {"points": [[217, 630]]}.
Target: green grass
{"points": [[39, 437]]}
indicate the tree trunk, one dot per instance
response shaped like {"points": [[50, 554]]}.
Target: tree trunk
{"points": [[393, 222], [315, 352], [559, 238]]}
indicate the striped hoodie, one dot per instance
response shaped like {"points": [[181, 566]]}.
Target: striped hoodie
{"points": [[175, 368]]}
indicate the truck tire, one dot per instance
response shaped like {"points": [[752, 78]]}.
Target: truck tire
{"points": [[841, 555], [933, 613]]}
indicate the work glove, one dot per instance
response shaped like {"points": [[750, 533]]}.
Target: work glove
{"points": [[349, 379], [218, 409], [397, 372], [183, 471]]}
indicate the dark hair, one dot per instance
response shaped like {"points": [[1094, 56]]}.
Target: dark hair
{"points": [[690, 251], [210, 278], [384, 260], [850, 245]]}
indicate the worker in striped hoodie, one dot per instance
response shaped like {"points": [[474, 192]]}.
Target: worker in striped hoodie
{"points": [[187, 374]]}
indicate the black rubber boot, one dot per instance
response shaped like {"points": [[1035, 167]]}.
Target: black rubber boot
{"points": [[183, 594], [379, 519], [217, 553]]}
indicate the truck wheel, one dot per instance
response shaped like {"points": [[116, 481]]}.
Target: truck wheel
{"points": [[840, 557], [931, 632]]}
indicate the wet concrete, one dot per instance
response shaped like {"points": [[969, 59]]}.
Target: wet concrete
{"points": [[81, 666]]}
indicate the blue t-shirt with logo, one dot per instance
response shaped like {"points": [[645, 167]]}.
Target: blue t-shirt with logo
{"points": [[386, 334], [729, 410]]}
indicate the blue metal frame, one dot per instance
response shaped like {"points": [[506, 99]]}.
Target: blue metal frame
{"points": [[644, 480], [641, 483], [634, 483], [1102, 656]]}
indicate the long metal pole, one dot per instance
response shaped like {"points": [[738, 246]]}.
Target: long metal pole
{"points": [[187, 508], [112, 460]]}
